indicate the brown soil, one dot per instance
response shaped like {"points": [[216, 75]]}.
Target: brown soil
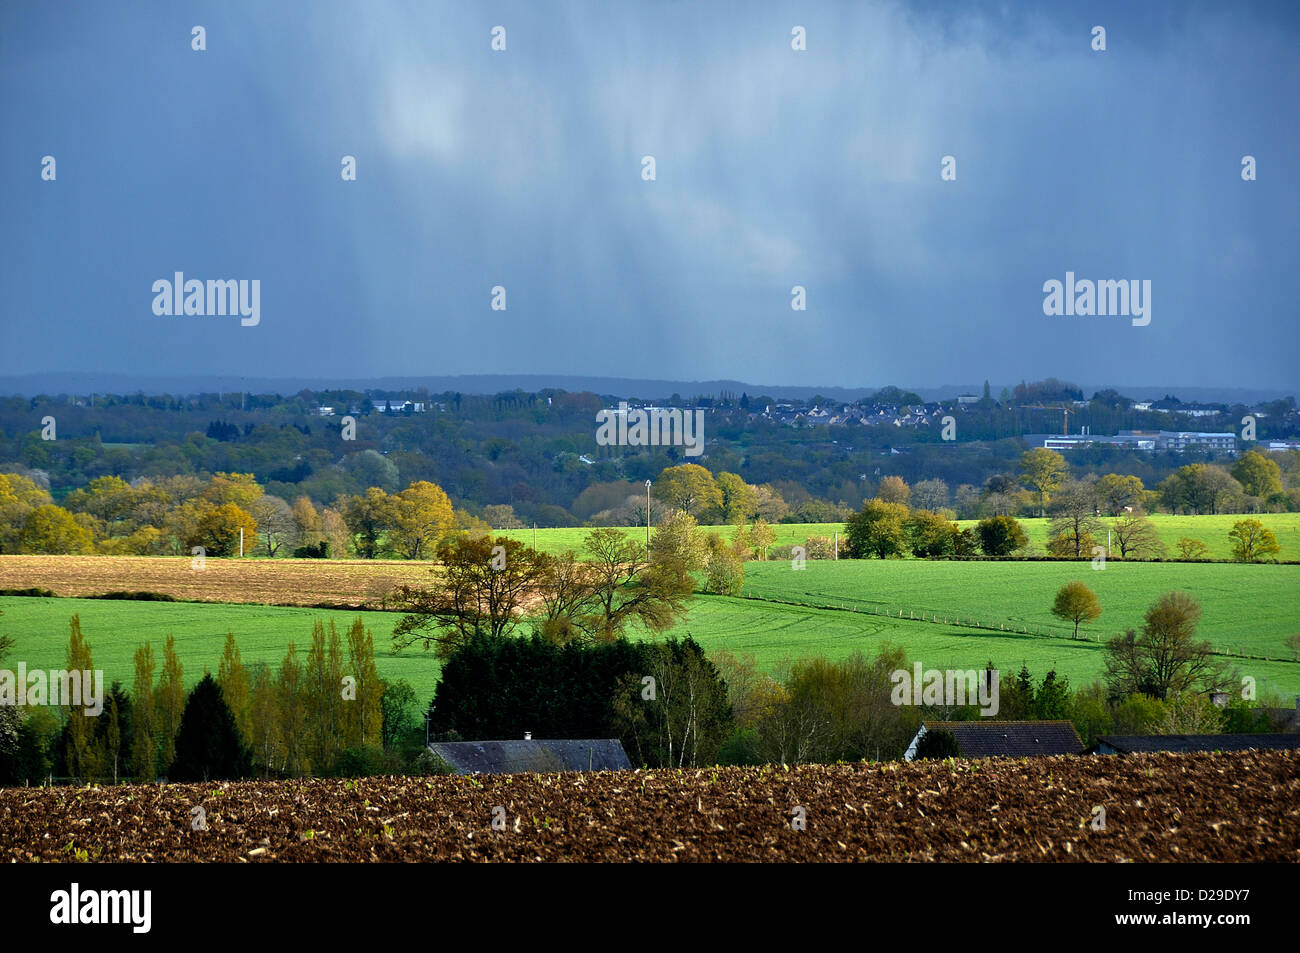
{"points": [[288, 582], [1241, 806]]}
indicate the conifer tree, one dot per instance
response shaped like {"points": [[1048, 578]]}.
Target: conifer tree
{"points": [[208, 746]]}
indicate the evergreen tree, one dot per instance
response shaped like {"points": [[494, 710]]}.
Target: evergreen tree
{"points": [[1052, 701], [208, 746]]}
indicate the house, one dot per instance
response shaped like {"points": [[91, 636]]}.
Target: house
{"points": [[1004, 739], [532, 755], [1144, 744], [967, 399]]}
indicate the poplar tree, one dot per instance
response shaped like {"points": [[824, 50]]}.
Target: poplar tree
{"points": [[170, 703], [233, 681], [293, 715], [364, 713], [81, 729], [144, 745], [323, 684], [265, 720]]}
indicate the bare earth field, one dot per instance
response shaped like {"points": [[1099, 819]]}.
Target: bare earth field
{"points": [[283, 582], [1242, 806]]}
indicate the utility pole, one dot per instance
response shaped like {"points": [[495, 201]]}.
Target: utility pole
{"points": [[534, 536], [241, 541], [647, 515]]}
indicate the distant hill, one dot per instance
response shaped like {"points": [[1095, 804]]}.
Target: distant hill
{"points": [[28, 385]]}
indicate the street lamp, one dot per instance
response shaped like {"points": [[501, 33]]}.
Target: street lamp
{"points": [[647, 515]]}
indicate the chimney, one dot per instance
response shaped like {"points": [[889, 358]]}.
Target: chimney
{"points": [[528, 736]]}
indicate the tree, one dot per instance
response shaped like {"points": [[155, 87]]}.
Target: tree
{"points": [[398, 704], [144, 744], [688, 487], [169, 703], [368, 518], [306, 522], [1257, 474], [1252, 541], [208, 745], [628, 586], [679, 539], [54, 531], [1042, 470], [878, 529], [80, 755], [761, 536], [1000, 535], [502, 516], [1166, 657], [738, 499], [1197, 487], [1074, 520], [1076, 603], [322, 685], [233, 682], [472, 595], [1137, 536], [1052, 700], [363, 712], [894, 489], [292, 704], [275, 521], [266, 720], [240, 489], [929, 534], [419, 517], [1192, 548], [19, 495], [930, 495], [1116, 493], [220, 529], [724, 573]]}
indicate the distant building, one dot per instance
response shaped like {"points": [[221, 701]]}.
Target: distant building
{"points": [[1144, 744], [1140, 440], [967, 399], [325, 411], [534, 756], [1004, 739], [1283, 445]]}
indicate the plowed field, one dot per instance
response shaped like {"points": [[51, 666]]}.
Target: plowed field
{"points": [[281, 582], [1227, 807]]}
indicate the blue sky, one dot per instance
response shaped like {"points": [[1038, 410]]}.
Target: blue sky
{"points": [[774, 168]]}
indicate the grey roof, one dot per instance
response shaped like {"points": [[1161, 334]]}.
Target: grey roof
{"points": [[1010, 739], [1132, 744], [536, 755]]}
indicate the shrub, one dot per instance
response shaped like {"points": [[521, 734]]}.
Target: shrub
{"points": [[937, 744], [1000, 535]]}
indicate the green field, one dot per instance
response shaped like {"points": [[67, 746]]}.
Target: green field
{"points": [[1211, 530], [774, 633], [829, 609], [114, 629]]}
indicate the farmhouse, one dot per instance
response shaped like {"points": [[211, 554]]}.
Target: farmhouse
{"points": [[1140, 744], [533, 755], [1004, 739]]}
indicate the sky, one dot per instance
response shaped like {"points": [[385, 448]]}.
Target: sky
{"points": [[523, 169]]}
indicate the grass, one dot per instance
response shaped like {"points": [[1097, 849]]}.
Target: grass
{"points": [[114, 630], [1248, 610], [1211, 530]]}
